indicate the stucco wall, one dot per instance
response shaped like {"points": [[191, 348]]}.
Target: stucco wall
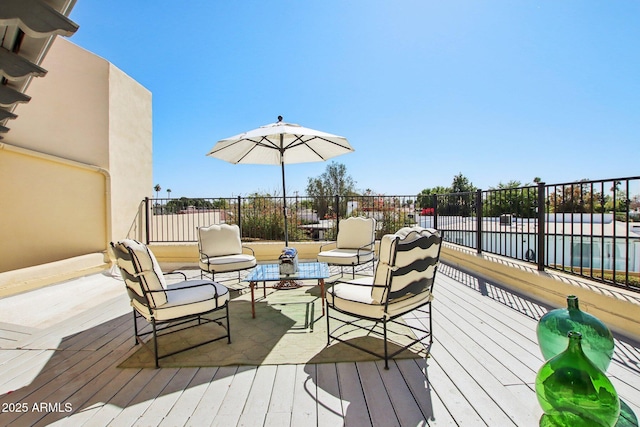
{"points": [[76, 163], [130, 148], [50, 210], [68, 115]]}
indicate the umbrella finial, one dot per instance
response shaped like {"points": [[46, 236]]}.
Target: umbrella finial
{"points": [[279, 119]]}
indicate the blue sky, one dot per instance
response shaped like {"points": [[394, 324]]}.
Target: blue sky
{"points": [[497, 90]]}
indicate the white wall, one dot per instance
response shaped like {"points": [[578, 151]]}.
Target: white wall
{"points": [[77, 160]]}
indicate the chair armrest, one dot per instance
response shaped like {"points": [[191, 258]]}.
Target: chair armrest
{"points": [[249, 249], [184, 276], [328, 244], [371, 245], [196, 285], [203, 256]]}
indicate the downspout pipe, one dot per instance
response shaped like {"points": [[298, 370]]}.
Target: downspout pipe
{"points": [[64, 161]]}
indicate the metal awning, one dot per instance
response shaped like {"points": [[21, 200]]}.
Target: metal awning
{"points": [[27, 29]]}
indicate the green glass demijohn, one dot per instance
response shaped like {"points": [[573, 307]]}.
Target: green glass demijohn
{"points": [[573, 391], [553, 327]]}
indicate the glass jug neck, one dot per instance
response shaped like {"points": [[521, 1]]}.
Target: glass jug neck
{"points": [[572, 302], [575, 341]]}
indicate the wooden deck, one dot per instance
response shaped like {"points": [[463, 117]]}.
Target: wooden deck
{"points": [[59, 348]]}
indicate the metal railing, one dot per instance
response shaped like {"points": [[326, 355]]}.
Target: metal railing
{"points": [[585, 228]]}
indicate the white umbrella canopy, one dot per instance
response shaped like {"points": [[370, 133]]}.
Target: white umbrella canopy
{"points": [[278, 144]]}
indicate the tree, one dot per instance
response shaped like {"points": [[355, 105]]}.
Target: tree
{"points": [[333, 181], [511, 198], [579, 197], [425, 198], [461, 202], [461, 184], [157, 189]]}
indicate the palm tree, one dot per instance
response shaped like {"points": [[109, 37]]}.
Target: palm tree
{"points": [[157, 203], [168, 193]]}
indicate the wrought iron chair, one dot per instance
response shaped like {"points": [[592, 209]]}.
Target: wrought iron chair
{"points": [[168, 307], [402, 282], [222, 251], [354, 245]]}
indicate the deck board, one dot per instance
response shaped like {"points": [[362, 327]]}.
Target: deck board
{"points": [[304, 397], [257, 404], [189, 399], [405, 406], [145, 397], [415, 373], [212, 397], [330, 404], [381, 411], [119, 396], [481, 370]]}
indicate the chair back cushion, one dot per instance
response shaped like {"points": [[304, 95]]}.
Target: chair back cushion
{"points": [[356, 232], [141, 271], [219, 240], [408, 261]]}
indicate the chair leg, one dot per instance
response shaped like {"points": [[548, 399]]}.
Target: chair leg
{"points": [[155, 342], [228, 325], [386, 351], [328, 330], [135, 328], [430, 327]]}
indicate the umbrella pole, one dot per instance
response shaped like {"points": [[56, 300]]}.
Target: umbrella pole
{"points": [[285, 284], [284, 196]]}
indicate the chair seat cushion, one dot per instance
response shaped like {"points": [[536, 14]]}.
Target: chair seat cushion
{"points": [[408, 303], [187, 298], [224, 263], [345, 257], [355, 297]]}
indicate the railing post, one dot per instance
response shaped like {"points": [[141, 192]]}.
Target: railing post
{"points": [[479, 221], [435, 211], [541, 226], [147, 220], [336, 208], [239, 211]]}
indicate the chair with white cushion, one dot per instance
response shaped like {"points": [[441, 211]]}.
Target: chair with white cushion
{"points": [[402, 282], [222, 251], [354, 245], [168, 307]]}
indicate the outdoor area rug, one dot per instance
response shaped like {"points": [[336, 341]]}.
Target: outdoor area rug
{"points": [[288, 329]]}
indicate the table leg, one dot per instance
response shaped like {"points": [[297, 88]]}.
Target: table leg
{"points": [[252, 285], [321, 282]]}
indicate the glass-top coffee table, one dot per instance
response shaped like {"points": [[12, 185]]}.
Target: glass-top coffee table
{"points": [[271, 273]]}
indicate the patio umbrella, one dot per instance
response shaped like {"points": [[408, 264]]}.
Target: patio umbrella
{"points": [[280, 143]]}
